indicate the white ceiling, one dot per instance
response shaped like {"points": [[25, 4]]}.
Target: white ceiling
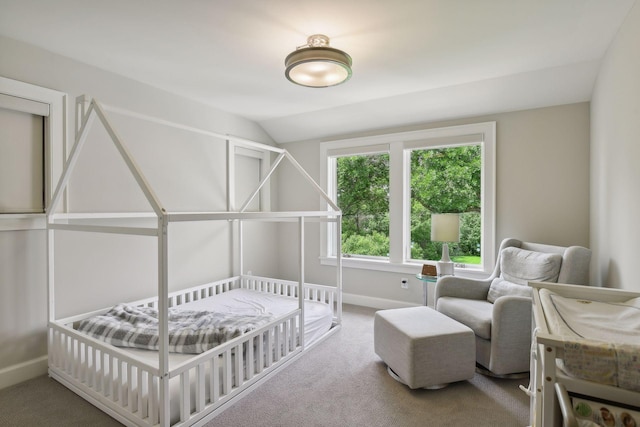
{"points": [[414, 61]]}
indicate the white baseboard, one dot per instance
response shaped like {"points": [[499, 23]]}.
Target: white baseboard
{"points": [[23, 371], [374, 302]]}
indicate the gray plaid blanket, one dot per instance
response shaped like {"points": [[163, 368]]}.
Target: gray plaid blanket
{"points": [[189, 331]]}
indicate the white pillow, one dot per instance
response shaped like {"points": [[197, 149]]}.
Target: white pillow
{"points": [[521, 266], [500, 287]]}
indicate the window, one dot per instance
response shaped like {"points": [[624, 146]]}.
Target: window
{"points": [[31, 149], [21, 161], [388, 186], [445, 180], [362, 193]]}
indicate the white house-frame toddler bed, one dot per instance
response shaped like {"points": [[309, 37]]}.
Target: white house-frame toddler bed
{"points": [[137, 377]]}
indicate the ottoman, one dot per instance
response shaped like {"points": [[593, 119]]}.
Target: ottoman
{"points": [[423, 347]]}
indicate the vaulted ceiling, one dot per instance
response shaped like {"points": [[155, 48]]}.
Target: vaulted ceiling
{"points": [[414, 61]]}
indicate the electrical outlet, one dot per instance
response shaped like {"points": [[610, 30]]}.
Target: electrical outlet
{"points": [[404, 283]]}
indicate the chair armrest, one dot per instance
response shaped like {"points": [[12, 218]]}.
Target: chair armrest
{"points": [[462, 287], [575, 266], [512, 319]]}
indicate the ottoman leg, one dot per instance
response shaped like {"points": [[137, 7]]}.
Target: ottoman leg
{"points": [[397, 378]]}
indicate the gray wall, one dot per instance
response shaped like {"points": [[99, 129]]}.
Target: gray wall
{"points": [[94, 271], [615, 150], [542, 194]]}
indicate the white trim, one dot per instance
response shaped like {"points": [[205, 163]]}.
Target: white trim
{"points": [[445, 141], [382, 264], [22, 222], [23, 371], [396, 204], [433, 134], [372, 302], [16, 103], [55, 136], [357, 150]]}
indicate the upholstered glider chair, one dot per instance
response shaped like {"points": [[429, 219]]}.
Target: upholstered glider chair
{"points": [[498, 309]]}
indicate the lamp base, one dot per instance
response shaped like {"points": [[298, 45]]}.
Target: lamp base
{"points": [[445, 265], [445, 268]]}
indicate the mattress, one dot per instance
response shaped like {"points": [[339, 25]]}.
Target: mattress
{"points": [[601, 339], [318, 317]]}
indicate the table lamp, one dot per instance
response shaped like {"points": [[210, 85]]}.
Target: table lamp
{"points": [[445, 228]]}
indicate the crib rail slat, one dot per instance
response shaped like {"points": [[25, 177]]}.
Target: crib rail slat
{"points": [[154, 412], [237, 366], [200, 387], [185, 397], [226, 374], [214, 379], [261, 349], [249, 363]]}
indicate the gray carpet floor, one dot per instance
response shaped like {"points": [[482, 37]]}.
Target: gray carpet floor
{"points": [[340, 382]]}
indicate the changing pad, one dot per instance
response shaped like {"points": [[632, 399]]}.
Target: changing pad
{"points": [[601, 340]]}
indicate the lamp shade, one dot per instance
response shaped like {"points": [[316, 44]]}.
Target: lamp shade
{"points": [[445, 227], [318, 65]]}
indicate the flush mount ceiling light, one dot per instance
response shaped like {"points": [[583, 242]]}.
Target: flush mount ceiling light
{"points": [[318, 65]]}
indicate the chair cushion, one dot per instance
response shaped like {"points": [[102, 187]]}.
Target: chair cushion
{"points": [[476, 314], [520, 266], [500, 287]]}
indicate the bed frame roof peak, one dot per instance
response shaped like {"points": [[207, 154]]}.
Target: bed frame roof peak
{"points": [[87, 110]]}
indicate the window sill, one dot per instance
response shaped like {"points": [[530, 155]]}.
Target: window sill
{"points": [[405, 268]]}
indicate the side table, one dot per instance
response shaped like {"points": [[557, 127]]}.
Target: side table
{"points": [[425, 286]]}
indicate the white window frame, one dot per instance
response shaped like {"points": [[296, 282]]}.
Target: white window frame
{"points": [[399, 146], [54, 145], [332, 187]]}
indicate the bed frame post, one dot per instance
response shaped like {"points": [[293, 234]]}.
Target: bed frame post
{"points": [[163, 314], [231, 176], [50, 295], [235, 238], [301, 285], [240, 250], [339, 266]]}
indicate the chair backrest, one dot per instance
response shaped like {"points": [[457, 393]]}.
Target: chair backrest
{"points": [[575, 260]]}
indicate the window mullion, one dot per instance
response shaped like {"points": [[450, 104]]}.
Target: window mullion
{"points": [[397, 204]]}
